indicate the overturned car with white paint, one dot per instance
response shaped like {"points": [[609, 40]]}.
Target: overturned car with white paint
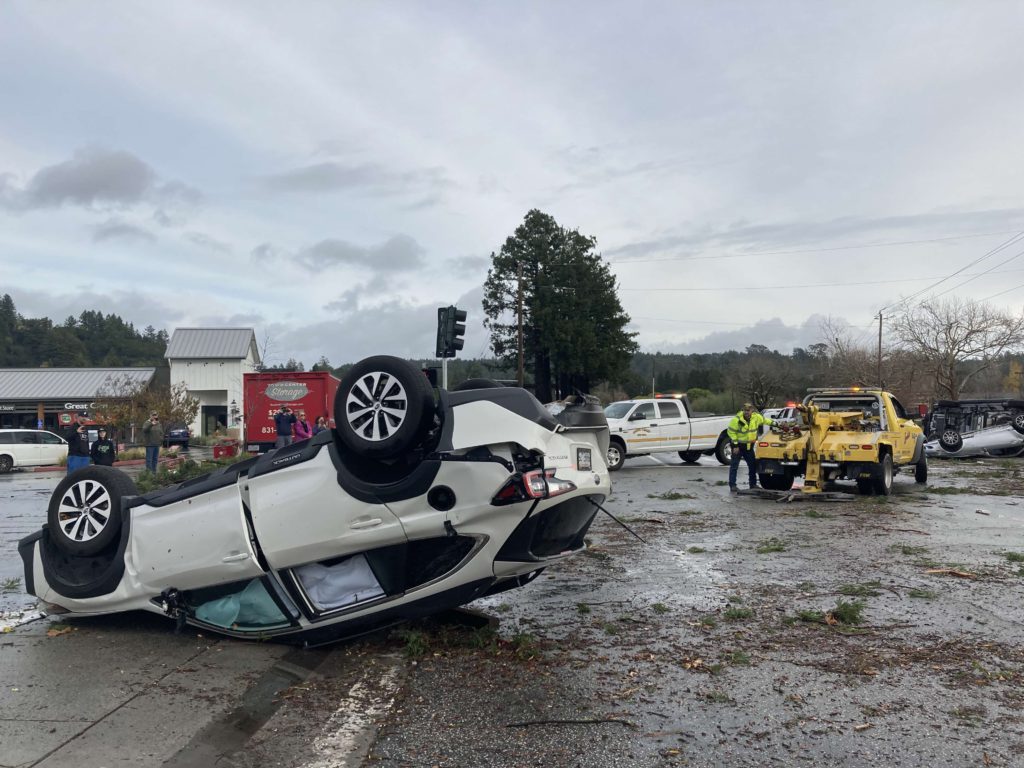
{"points": [[410, 505]]}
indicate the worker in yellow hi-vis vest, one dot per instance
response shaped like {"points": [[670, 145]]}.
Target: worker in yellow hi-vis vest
{"points": [[742, 432]]}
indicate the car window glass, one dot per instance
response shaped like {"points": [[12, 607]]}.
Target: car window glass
{"points": [[617, 410], [6, 438], [28, 438], [669, 410], [644, 411], [49, 438], [900, 410]]}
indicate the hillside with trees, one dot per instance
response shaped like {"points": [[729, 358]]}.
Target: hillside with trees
{"points": [[90, 340]]}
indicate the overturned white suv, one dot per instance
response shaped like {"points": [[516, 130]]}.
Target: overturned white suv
{"points": [[407, 507]]}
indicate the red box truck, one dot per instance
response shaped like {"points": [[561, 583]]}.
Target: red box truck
{"points": [[311, 392]]}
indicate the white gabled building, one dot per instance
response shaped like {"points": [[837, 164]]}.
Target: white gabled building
{"points": [[210, 363]]}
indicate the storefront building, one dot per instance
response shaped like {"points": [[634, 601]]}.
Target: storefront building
{"points": [[210, 364], [46, 398]]}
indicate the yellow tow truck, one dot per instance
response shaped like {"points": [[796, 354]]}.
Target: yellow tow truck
{"points": [[842, 433]]}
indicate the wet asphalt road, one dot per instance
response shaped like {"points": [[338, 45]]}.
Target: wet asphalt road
{"points": [[716, 642]]}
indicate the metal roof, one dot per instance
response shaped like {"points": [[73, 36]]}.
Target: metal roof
{"points": [[66, 383], [191, 343]]}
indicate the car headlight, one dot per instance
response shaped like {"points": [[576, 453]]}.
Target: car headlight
{"points": [[584, 460]]}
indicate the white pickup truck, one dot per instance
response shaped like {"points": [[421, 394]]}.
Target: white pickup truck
{"points": [[640, 427]]}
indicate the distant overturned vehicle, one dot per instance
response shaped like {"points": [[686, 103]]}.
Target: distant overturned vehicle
{"points": [[963, 428], [408, 506]]}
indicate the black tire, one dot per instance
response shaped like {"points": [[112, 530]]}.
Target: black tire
{"points": [[84, 515], [6, 464], [950, 441], [1018, 422], [616, 455], [383, 407], [723, 450], [477, 384], [690, 457], [883, 485], [781, 482], [921, 471]]}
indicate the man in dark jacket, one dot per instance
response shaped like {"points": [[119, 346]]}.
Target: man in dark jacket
{"points": [[103, 451], [284, 421], [78, 444], [153, 434]]}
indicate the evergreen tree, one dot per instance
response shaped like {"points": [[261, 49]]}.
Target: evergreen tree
{"points": [[574, 328]]}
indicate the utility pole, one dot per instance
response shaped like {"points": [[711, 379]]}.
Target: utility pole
{"points": [[880, 349], [519, 270]]}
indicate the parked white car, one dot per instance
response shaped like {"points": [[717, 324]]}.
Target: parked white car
{"points": [[30, 448], [407, 507]]}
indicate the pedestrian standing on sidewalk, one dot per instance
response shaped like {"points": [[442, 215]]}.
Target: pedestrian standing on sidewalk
{"points": [[742, 432], [284, 420], [321, 425], [78, 444], [153, 434], [103, 451], [303, 429]]}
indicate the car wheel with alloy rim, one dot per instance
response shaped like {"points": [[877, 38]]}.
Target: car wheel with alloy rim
{"points": [[616, 456], [84, 515]]}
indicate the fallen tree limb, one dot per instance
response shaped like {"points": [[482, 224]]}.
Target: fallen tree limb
{"points": [[595, 721], [953, 572]]}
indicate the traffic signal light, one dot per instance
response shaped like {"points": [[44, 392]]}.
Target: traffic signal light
{"points": [[441, 348], [456, 329], [450, 330]]}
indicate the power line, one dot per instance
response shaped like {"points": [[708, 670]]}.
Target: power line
{"points": [[805, 285], [965, 282], [1005, 244], [806, 250]]}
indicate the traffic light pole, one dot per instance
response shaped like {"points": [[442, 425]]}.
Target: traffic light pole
{"points": [[444, 373]]}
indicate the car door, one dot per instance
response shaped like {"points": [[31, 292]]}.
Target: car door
{"points": [[302, 514], [673, 425], [28, 448], [642, 430], [52, 449]]}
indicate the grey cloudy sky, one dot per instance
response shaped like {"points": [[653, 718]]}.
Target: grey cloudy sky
{"points": [[331, 172]]}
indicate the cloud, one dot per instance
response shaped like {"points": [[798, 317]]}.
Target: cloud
{"points": [[397, 254], [411, 332], [464, 264], [205, 241], [333, 176], [98, 179], [265, 253], [772, 333], [119, 230], [742, 235]]}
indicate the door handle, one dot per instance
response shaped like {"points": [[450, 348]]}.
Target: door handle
{"points": [[235, 558], [365, 522]]}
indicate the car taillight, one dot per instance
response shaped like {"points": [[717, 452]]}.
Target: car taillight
{"points": [[762, 445], [536, 484]]}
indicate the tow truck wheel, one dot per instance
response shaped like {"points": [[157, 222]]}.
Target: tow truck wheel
{"points": [[781, 482], [723, 450], [690, 457], [383, 407], [883, 484], [921, 471], [616, 456], [1018, 422]]}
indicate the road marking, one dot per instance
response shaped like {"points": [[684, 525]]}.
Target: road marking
{"points": [[348, 735]]}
